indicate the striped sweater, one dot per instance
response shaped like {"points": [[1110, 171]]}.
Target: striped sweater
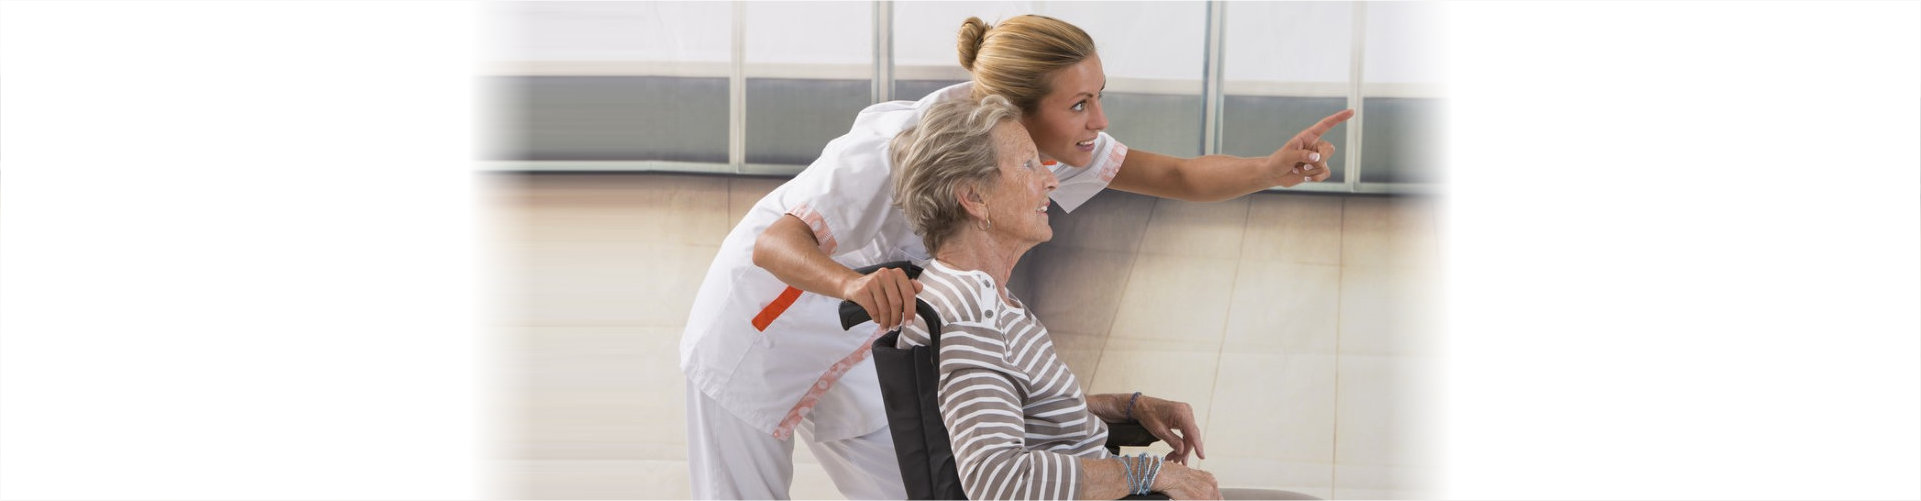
{"points": [[1014, 412]]}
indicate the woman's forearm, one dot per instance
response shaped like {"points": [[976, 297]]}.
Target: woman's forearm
{"points": [[788, 249], [1110, 407], [1214, 178], [1102, 479], [1210, 178]]}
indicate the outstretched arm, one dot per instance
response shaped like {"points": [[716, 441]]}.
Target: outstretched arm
{"points": [[1214, 178]]}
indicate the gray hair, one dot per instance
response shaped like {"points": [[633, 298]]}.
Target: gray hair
{"points": [[953, 145]]}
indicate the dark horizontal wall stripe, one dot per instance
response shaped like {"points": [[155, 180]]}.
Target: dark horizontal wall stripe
{"points": [[615, 118], [1255, 126], [790, 120], [913, 90], [1161, 123]]}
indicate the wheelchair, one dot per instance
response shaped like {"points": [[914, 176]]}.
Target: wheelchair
{"points": [[909, 379]]}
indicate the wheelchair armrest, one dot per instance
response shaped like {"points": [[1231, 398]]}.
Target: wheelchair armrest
{"points": [[1127, 434]]}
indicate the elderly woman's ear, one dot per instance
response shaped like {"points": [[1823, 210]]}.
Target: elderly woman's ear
{"points": [[971, 200]]}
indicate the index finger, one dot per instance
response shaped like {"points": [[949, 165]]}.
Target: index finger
{"points": [[1192, 432], [1314, 133], [907, 293]]}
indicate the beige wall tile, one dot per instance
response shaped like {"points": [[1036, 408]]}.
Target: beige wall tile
{"points": [[1081, 352], [1273, 407], [1211, 230], [599, 393], [1378, 420], [1171, 375], [1382, 231], [1112, 221], [1293, 228], [608, 249], [649, 285], [1389, 311], [682, 209], [744, 192], [1076, 290], [1180, 301], [1364, 431], [1281, 307]]}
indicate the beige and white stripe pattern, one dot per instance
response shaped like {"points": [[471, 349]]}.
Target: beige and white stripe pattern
{"points": [[1016, 415]]}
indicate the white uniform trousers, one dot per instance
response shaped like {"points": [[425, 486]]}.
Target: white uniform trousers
{"points": [[730, 459]]}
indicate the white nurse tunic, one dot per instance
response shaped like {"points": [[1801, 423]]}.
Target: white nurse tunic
{"points": [[768, 354]]}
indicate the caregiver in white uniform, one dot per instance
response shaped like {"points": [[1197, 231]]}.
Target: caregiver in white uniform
{"points": [[764, 353]]}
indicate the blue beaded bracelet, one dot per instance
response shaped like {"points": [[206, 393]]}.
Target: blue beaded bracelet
{"points": [[1130, 406], [1147, 485], [1142, 488], [1142, 483], [1140, 474]]}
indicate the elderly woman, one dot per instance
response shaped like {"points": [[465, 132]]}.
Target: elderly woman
{"points": [[971, 183]]}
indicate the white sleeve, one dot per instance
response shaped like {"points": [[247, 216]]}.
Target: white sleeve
{"points": [[846, 195], [1078, 184]]}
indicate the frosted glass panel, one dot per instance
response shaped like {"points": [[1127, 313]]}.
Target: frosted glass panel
{"points": [[1274, 43], [809, 70], [1401, 38], [1285, 66], [632, 32], [1401, 97]]}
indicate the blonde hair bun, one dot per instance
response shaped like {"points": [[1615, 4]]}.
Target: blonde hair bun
{"points": [[1020, 59], [973, 33]]}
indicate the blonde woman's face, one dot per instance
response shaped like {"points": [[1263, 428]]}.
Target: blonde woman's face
{"points": [[1018, 203], [1071, 116]]}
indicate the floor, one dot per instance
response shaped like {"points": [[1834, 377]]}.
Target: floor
{"points": [[1293, 323]]}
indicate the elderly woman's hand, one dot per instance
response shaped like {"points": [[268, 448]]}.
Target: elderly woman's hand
{"points": [[1164, 418], [1180, 482]]}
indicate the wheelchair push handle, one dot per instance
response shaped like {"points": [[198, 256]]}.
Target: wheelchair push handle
{"points": [[851, 314]]}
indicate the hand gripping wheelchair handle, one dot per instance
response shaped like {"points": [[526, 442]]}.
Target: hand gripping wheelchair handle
{"points": [[851, 314]]}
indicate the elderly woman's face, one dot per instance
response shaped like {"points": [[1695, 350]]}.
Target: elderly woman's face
{"points": [[1018, 200]]}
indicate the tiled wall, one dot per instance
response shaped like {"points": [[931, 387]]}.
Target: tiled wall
{"points": [[1294, 324]]}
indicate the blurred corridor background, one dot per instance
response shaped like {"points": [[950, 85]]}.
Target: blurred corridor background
{"points": [[633, 135]]}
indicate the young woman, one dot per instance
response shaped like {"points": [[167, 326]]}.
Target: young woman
{"points": [[763, 351]]}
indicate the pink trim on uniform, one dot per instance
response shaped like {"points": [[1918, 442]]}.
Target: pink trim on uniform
{"points": [[821, 233], [826, 381], [1113, 166]]}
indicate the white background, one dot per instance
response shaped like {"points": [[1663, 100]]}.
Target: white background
{"points": [[615, 31], [239, 258]]}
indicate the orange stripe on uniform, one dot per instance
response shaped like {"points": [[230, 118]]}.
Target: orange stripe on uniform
{"points": [[774, 309]]}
